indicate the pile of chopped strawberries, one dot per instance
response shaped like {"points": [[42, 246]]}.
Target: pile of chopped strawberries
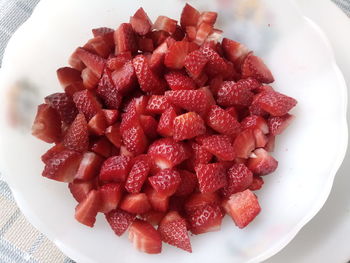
{"points": [[163, 125]]}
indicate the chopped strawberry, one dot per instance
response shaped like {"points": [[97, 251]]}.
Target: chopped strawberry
{"points": [[216, 64], [138, 174], [158, 201], [209, 97], [130, 118], [254, 108], [208, 17], [179, 81], [167, 153], [102, 31], [189, 16], [149, 82], [244, 143], [117, 62], [119, 221], [276, 103], [135, 203], [211, 177], [47, 124], [89, 167], [141, 103], [86, 211], [257, 183], [98, 124], [100, 45], [124, 78], [135, 139], [124, 39], [203, 32], [191, 32], [175, 57], [111, 116], [140, 13], [157, 104], [253, 122], [159, 38], [114, 135], [153, 217], [75, 62], [263, 88], [77, 136], [124, 152], [239, 178], [145, 44], [80, 190], [199, 156], [115, 168], [270, 145], [174, 232], [234, 94], [144, 237], [187, 126], [166, 24], [66, 76], [222, 122], [195, 63], [200, 200], [110, 195], [234, 51], [166, 122], [149, 126], [64, 105], [233, 112], [261, 162], [166, 181], [73, 88], [243, 207], [205, 219], [277, 125], [188, 183], [107, 91], [254, 67], [102, 147], [179, 34], [220, 146], [86, 103], [92, 61], [52, 152], [140, 22]]}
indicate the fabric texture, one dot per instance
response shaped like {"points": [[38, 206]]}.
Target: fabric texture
{"points": [[19, 241]]}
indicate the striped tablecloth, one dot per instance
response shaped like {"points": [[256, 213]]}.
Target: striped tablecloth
{"points": [[19, 241]]}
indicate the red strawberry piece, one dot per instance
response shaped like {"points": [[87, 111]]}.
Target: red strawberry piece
{"points": [[205, 219], [98, 124], [135, 203], [159, 37], [261, 162], [195, 63], [231, 72], [52, 152], [276, 103], [64, 105], [201, 80], [158, 201], [220, 146], [124, 152], [177, 203], [244, 143], [86, 103], [216, 64], [167, 153], [102, 147], [166, 24], [270, 145], [252, 83], [102, 31], [77, 136], [140, 22], [124, 78], [189, 16], [211, 177], [190, 100], [75, 62], [243, 207], [234, 51], [263, 88], [99, 46], [134, 139], [177, 80], [199, 155], [166, 181], [200, 200], [221, 121], [113, 134], [66, 76], [234, 94], [111, 116], [119, 221], [255, 122], [130, 118], [47, 124], [153, 217], [80, 190], [188, 183], [92, 61], [149, 126], [89, 167], [233, 112], [140, 13], [86, 211], [254, 67], [208, 17], [215, 84], [257, 183], [149, 82], [166, 122], [145, 44], [107, 91], [239, 178], [255, 108], [144, 237], [175, 57], [124, 39], [203, 32], [191, 32], [115, 168], [141, 103], [138, 174], [209, 97], [174, 232], [118, 61], [277, 125], [73, 88], [179, 34], [187, 126], [110, 196], [260, 138], [157, 104]]}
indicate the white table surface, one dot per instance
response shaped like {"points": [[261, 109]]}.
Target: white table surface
{"points": [[326, 238]]}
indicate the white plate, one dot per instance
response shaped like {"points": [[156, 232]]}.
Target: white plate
{"points": [[310, 152]]}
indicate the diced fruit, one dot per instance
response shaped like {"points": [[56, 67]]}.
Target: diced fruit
{"points": [[64, 105], [135, 203], [90, 79], [98, 124], [211, 177], [86, 103], [77, 136], [153, 217], [157, 104], [200, 200], [234, 51], [189, 16], [75, 62], [119, 221], [102, 31], [80, 190], [270, 145], [92, 61], [52, 152], [261, 162], [158, 201], [149, 126], [222, 122], [257, 183], [144, 237], [243, 207], [111, 97], [216, 64], [86, 211], [276, 103], [199, 156], [102, 147], [166, 181], [166, 122], [239, 178], [124, 39], [234, 94], [195, 63], [205, 219], [175, 58], [66, 76], [177, 80], [134, 139], [255, 122], [110, 195], [244, 143], [188, 183], [220, 146], [140, 22], [138, 174], [89, 167], [124, 78], [145, 44], [187, 126], [115, 168], [254, 67], [260, 138], [166, 24], [277, 125], [114, 135], [207, 17], [111, 116]]}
